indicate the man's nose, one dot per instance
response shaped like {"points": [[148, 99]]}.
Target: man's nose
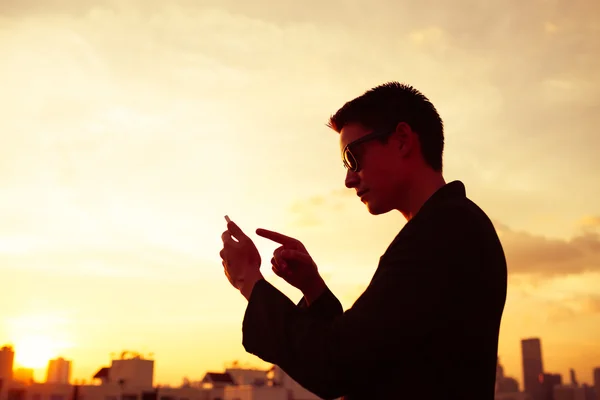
{"points": [[351, 179]]}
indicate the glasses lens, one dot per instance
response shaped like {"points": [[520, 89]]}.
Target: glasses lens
{"points": [[350, 160]]}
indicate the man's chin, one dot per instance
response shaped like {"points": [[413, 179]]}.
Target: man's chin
{"points": [[376, 209]]}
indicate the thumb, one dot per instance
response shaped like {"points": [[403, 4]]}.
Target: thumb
{"points": [[236, 230], [297, 256]]}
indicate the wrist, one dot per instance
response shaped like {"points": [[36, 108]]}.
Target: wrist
{"points": [[315, 290], [246, 284]]}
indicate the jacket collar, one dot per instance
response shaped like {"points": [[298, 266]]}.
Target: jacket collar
{"points": [[450, 191]]}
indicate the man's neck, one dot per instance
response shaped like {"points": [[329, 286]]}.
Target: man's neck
{"points": [[425, 186]]}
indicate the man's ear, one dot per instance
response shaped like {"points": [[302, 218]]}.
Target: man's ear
{"points": [[405, 138]]}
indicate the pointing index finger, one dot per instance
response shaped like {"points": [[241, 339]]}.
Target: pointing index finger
{"points": [[278, 237]]}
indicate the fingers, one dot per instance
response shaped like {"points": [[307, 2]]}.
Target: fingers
{"points": [[279, 265], [283, 261], [236, 231], [281, 271], [278, 272], [233, 235], [227, 238], [276, 237], [227, 275], [278, 259], [282, 257], [279, 238], [287, 256]]}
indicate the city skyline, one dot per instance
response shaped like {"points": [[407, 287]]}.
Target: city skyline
{"points": [[131, 376], [129, 129], [533, 347]]}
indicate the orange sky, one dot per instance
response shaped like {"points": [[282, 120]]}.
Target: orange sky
{"points": [[129, 128]]}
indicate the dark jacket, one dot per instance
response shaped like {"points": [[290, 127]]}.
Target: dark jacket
{"points": [[426, 327]]}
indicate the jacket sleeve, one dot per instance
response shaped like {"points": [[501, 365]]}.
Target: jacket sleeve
{"points": [[405, 302], [326, 306]]}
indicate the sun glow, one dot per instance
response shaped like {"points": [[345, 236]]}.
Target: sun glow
{"points": [[35, 351], [37, 339]]}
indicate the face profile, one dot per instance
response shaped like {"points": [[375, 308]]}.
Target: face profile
{"points": [[380, 164]]}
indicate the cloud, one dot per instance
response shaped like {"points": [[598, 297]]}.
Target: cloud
{"points": [[26, 8], [590, 223], [546, 257], [172, 76], [575, 304]]}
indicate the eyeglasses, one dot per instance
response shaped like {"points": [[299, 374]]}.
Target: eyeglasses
{"points": [[350, 160]]}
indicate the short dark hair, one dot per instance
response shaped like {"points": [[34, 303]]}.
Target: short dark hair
{"points": [[385, 106]]}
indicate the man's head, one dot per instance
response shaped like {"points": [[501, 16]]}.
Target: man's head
{"points": [[392, 139]]}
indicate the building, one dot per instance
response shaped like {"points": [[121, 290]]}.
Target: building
{"points": [[135, 371], [250, 392], [217, 379], [571, 392], [590, 393], [505, 384], [59, 371], [533, 368], [130, 379], [499, 372], [131, 373], [13, 390], [55, 391], [7, 359], [242, 376], [548, 383], [513, 396], [217, 382], [24, 375], [597, 381]]}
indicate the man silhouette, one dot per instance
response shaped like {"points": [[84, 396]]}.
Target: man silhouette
{"points": [[427, 325]]}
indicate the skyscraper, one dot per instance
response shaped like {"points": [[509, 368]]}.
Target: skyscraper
{"points": [[533, 368], [7, 357], [548, 382], [499, 370], [59, 371], [597, 381]]}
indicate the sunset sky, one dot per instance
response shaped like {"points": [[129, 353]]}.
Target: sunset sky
{"points": [[130, 128]]}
